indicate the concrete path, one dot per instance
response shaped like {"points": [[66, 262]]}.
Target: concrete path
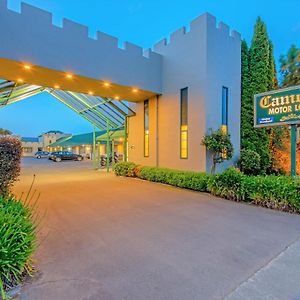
{"points": [[111, 238], [278, 280]]}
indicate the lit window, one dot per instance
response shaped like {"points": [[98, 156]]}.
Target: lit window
{"points": [[27, 149], [146, 128], [225, 106], [184, 123]]}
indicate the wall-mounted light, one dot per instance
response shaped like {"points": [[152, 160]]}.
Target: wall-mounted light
{"points": [[117, 98], [106, 84], [56, 86], [135, 90], [27, 67], [91, 93], [20, 80], [69, 76]]}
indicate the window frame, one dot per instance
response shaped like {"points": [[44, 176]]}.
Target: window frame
{"points": [[146, 128], [225, 100], [184, 122]]}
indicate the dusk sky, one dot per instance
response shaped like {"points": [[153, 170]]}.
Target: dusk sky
{"points": [[144, 23]]}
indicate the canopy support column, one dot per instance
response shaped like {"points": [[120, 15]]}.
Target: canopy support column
{"points": [[94, 149], [125, 139], [107, 148]]}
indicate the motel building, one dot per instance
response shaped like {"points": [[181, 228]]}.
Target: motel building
{"points": [[30, 145], [88, 144], [166, 98]]}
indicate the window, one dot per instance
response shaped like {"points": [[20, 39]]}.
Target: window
{"points": [[27, 149], [184, 123], [146, 128], [225, 106]]}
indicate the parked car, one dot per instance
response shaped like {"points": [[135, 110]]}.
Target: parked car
{"points": [[64, 155], [41, 154], [52, 154]]}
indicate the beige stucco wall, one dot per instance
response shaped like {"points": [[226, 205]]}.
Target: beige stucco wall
{"points": [[35, 147], [204, 59]]}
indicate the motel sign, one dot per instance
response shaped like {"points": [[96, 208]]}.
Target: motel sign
{"points": [[278, 108]]}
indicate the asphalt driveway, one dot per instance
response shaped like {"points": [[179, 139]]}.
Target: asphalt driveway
{"points": [[105, 237]]}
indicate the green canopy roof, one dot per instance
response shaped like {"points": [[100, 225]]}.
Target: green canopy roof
{"points": [[76, 140], [58, 141], [115, 134]]}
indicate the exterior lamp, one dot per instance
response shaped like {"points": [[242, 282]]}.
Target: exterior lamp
{"points": [[27, 67], [20, 80], [69, 76], [106, 84], [117, 98], [135, 90]]}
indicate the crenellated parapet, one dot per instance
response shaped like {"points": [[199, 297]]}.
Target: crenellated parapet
{"points": [[37, 40], [205, 24]]}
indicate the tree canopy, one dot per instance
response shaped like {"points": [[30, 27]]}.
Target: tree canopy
{"points": [[258, 76], [290, 67]]}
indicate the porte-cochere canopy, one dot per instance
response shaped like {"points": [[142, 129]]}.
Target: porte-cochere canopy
{"points": [[104, 113]]}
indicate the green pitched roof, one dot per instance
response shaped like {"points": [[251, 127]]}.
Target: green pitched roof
{"points": [[59, 141], [115, 134], [76, 140]]}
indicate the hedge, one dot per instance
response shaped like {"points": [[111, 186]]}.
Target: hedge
{"points": [[10, 160], [276, 192], [17, 242]]}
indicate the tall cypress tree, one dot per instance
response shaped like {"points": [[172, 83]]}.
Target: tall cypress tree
{"points": [[247, 103], [258, 76]]}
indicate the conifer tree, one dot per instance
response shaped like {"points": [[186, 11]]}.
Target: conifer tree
{"points": [[258, 76]]}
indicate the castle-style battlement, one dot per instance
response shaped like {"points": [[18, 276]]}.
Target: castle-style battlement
{"points": [[69, 47], [204, 23], [30, 13]]}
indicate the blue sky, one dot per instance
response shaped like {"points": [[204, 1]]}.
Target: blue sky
{"points": [[144, 22]]}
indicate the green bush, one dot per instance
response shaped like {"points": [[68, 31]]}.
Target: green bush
{"points": [[17, 241], [184, 179], [229, 185], [250, 162], [276, 192], [10, 158], [125, 169]]}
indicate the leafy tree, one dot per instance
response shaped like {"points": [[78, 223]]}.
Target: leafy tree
{"points": [[290, 67], [220, 146], [258, 76], [5, 131], [10, 159]]}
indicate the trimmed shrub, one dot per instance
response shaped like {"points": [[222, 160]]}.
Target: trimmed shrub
{"points": [[229, 185], [125, 169], [17, 242], [10, 159], [184, 179], [276, 192], [250, 162]]}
